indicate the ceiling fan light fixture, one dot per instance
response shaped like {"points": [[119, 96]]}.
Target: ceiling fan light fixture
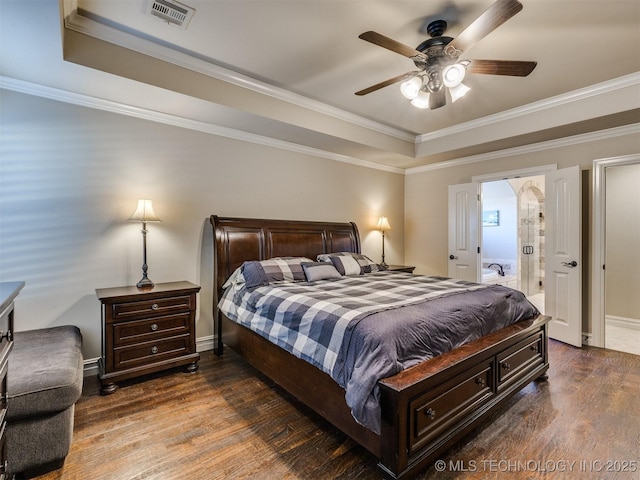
{"points": [[421, 101], [452, 75], [411, 88], [458, 91]]}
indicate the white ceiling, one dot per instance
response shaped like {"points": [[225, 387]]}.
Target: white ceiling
{"points": [[288, 70]]}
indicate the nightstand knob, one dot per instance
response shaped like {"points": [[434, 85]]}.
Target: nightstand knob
{"points": [[431, 413], [154, 306], [154, 349], [154, 327], [8, 335]]}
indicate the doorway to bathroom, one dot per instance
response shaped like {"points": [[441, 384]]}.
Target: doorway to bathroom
{"points": [[513, 234]]}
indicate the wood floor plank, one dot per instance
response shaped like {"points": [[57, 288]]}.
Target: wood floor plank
{"points": [[227, 421]]}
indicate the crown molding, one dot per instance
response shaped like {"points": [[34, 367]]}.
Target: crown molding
{"points": [[633, 129], [73, 20], [21, 86], [625, 81]]}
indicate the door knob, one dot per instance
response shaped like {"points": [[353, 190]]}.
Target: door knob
{"points": [[452, 257], [571, 264]]}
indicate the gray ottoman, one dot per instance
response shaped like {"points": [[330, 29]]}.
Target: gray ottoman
{"points": [[44, 381]]}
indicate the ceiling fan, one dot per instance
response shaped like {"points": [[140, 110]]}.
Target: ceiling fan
{"points": [[437, 61]]}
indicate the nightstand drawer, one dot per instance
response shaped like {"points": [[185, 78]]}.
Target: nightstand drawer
{"points": [[6, 335], [3, 391], [137, 331], [150, 352], [148, 308]]}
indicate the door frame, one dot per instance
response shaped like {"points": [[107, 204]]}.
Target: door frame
{"points": [[494, 177], [600, 166]]}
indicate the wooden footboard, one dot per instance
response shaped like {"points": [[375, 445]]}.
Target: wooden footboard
{"points": [[426, 408]]}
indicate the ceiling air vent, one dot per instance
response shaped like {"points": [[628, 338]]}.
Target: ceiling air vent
{"points": [[171, 12]]}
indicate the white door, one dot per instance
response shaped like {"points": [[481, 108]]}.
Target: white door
{"points": [[563, 255], [464, 205]]}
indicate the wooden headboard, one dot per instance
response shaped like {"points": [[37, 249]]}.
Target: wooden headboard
{"points": [[236, 240]]}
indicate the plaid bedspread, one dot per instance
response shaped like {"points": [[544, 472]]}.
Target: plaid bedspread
{"points": [[310, 320]]}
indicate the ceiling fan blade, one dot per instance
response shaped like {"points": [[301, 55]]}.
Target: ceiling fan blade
{"points": [[492, 18], [437, 99], [380, 85], [391, 44], [501, 67]]}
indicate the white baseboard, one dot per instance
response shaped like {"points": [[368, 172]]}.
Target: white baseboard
{"points": [[622, 322], [90, 367]]}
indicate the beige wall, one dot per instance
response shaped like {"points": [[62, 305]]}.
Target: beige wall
{"points": [[71, 177], [622, 254], [426, 201]]}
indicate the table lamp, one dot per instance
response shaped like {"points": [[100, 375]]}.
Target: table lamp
{"points": [[144, 213]]}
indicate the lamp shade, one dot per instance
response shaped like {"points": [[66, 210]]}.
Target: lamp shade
{"points": [[383, 224], [421, 101], [458, 92], [411, 87], [144, 212], [452, 75]]}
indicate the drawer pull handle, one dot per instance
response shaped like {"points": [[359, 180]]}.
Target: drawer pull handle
{"points": [[480, 381], [506, 366], [154, 349], [154, 306], [431, 413], [154, 327], [534, 348], [8, 335]]}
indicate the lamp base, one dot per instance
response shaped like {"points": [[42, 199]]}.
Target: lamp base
{"points": [[144, 283]]}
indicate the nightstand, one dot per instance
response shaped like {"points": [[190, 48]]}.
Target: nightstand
{"points": [[400, 268], [146, 330]]}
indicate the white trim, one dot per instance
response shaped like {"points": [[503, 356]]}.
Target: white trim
{"points": [[76, 22], [632, 129], [625, 81], [154, 116], [90, 367], [598, 243], [523, 172], [51, 93], [87, 26], [623, 322], [204, 344]]}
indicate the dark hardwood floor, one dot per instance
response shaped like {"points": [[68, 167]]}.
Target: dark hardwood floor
{"points": [[226, 421]]}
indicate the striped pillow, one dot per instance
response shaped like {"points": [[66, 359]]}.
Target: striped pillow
{"points": [[366, 264], [274, 270]]}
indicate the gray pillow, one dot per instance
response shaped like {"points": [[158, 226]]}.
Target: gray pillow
{"points": [[315, 271]]}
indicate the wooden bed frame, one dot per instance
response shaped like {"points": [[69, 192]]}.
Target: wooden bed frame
{"points": [[426, 408]]}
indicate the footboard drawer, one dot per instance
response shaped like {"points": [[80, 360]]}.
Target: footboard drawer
{"points": [[527, 354], [444, 406]]}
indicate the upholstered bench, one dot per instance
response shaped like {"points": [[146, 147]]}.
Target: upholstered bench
{"points": [[44, 381]]}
